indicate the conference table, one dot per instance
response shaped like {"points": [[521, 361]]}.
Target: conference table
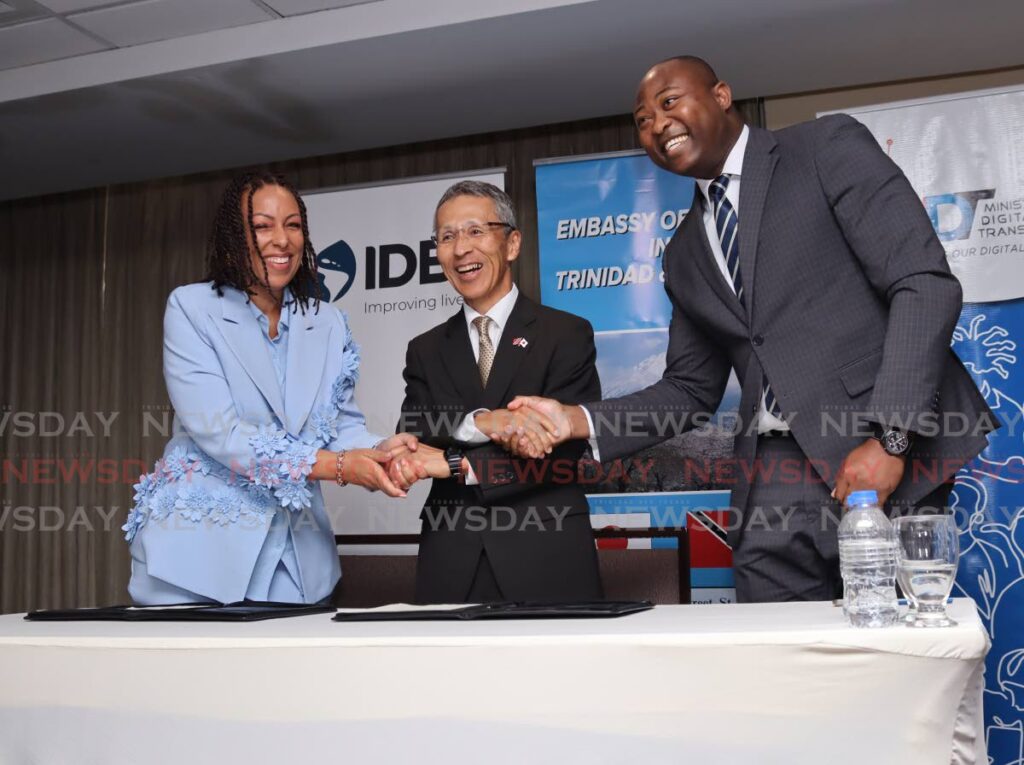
{"points": [[759, 684]]}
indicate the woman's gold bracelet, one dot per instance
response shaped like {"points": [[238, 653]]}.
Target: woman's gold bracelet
{"points": [[338, 467]]}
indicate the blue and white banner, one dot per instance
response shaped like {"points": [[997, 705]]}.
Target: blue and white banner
{"points": [[603, 224], [964, 155]]}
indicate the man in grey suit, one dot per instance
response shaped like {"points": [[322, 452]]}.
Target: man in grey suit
{"points": [[809, 266]]}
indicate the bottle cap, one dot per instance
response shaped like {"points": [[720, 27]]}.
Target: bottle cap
{"points": [[864, 497]]}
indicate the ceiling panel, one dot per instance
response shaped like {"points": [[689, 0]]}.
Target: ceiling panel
{"points": [[396, 78], [152, 20], [44, 40], [19, 12], [295, 7], [70, 6]]}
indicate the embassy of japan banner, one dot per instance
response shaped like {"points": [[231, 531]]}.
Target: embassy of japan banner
{"points": [[603, 224], [964, 155], [377, 263]]}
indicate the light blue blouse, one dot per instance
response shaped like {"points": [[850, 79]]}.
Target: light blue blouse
{"points": [[277, 570]]}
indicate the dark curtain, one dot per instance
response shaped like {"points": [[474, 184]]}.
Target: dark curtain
{"points": [[83, 410]]}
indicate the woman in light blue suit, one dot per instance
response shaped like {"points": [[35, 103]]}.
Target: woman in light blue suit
{"points": [[261, 375]]}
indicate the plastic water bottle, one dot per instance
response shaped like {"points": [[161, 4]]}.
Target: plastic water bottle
{"points": [[867, 560]]}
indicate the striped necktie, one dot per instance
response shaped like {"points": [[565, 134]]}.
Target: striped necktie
{"points": [[727, 225]]}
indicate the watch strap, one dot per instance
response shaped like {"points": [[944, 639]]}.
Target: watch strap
{"points": [[454, 458]]}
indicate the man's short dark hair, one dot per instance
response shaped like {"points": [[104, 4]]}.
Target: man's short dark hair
{"points": [[502, 201]]}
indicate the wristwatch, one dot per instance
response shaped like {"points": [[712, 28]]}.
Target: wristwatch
{"points": [[454, 458], [895, 441]]}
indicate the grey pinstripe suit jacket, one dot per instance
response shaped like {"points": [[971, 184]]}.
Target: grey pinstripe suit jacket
{"points": [[851, 307]]}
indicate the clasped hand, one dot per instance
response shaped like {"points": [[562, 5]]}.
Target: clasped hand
{"points": [[555, 421], [370, 468], [526, 431], [531, 427]]}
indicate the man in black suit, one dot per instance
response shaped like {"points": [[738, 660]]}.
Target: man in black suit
{"points": [[501, 527], [809, 266]]}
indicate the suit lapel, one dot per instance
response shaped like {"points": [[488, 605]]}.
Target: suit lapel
{"points": [[307, 355], [705, 259], [758, 166], [508, 356], [457, 358], [242, 333]]}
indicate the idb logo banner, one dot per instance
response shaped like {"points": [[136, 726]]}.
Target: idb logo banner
{"points": [[336, 270], [385, 267], [377, 263], [964, 155]]}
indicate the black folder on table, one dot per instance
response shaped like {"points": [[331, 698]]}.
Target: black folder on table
{"points": [[597, 609], [243, 611]]}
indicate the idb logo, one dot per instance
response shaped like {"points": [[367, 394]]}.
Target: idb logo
{"points": [[952, 215], [386, 266], [395, 265], [336, 267]]}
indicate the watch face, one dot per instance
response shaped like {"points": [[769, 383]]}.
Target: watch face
{"points": [[895, 442]]}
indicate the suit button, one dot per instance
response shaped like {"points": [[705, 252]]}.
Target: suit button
{"points": [[757, 340]]}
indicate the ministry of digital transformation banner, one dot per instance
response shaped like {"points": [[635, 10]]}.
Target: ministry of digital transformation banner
{"points": [[603, 224], [964, 155], [377, 263]]}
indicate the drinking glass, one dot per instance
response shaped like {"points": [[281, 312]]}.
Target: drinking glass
{"points": [[927, 553], [911, 615]]}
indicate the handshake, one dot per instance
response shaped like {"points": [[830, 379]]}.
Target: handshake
{"points": [[529, 428]]}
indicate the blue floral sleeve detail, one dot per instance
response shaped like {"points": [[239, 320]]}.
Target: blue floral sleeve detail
{"points": [[159, 495], [278, 476], [134, 522], [286, 465], [162, 506], [192, 503], [296, 463], [225, 507], [349, 376], [269, 441], [150, 499], [322, 426], [145, 488], [264, 474], [167, 492], [293, 495]]}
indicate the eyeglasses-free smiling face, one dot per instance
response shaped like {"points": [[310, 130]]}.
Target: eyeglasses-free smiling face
{"points": [[277, 233], [682, 119], [475, 250]]}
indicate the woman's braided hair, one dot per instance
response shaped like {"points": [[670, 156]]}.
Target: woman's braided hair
{"points": [[228, 261]]}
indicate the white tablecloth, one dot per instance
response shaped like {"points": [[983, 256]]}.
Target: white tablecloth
{"points": [[751, 684]]}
